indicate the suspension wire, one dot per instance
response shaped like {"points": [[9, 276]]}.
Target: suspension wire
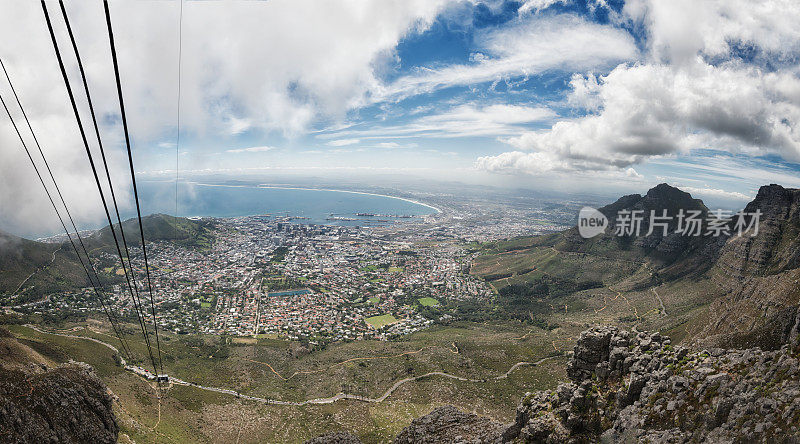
{"points": [[102, 151], [60, 195], [63, 225], [178, 133], [178, 117], [133, 174], [142, 324]]}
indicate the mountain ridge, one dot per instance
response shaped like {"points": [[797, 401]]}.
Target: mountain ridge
{"points": [[749, 282]]}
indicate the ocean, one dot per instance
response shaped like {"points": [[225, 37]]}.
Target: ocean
{"points": [[330, 207]]}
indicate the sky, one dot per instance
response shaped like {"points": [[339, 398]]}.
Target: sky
{"points": [[596, 96]]}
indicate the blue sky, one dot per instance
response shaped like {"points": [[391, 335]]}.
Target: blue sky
{"points": [[457, 95], [590, 95]]}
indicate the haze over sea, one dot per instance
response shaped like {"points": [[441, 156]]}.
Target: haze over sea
{"points": [[315, 206]]}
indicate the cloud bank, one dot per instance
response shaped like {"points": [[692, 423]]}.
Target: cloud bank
{"points": [[694, 88]]}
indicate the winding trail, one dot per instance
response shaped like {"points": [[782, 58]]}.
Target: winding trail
{"points": [[329, 400], [35, 328]]}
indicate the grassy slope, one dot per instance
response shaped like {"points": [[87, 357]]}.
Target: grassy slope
{"points": [[184, 231], [192, 415], [47, 267], [627, 297]]}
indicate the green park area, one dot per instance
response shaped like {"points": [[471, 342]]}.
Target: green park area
{"points": [[380, 321], [428, 302]]}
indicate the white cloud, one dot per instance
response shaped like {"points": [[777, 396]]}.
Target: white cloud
{"points": [[676, 100], [238, 126], [533, 6], [680, 29], [253, 149], [518, 162], [343, 142], [531, 46], [465, 120], [716, 193]]}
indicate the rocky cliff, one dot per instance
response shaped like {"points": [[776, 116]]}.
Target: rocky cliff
{"points": [[42, 403], [758, 276]]}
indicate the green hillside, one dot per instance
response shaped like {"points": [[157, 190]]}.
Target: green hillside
{"points": [[187, 232], [29, 269]]}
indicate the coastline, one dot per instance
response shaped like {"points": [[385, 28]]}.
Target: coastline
{"points": [[267, 186], [354, 192]]}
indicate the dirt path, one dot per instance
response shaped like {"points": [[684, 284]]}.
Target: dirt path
{"points": [[660, 303]]}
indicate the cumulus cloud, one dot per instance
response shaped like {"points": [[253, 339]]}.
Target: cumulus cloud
{"points": [[678, 30], [690, 91], [518, 162]]}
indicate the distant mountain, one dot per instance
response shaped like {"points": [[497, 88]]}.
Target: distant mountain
{"points": [[187, 232], [748, 285], [676, 254]]}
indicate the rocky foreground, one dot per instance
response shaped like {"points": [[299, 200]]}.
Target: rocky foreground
{"points": [[637, 387], [41, 403]]}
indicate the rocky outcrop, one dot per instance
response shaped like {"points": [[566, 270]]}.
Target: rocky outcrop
{"points": [[65, 404], [638, 387], [633, 387], [450, 425]]}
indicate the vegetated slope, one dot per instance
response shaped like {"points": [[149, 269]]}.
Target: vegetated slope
{"points": [[676, 254], [41, 403], [755, 280], [31, 269], [609, 257], [187, 232]]}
